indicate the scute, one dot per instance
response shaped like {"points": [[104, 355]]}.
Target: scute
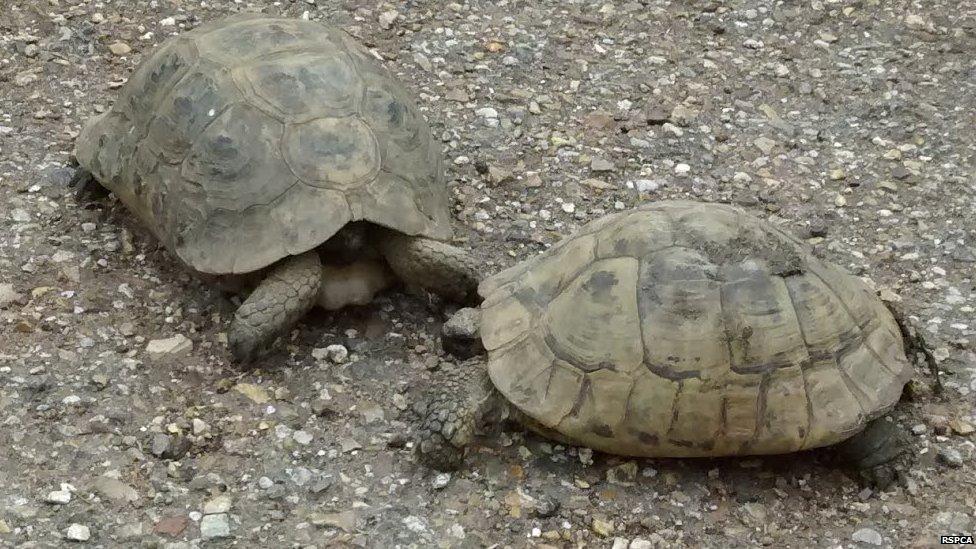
{"points": [[237, 40], [760, 322], [336, 153], [237, 160], [153, 80], [392, 201], [252, 138], [680, 303], [721, 336], [576, 322], [638, 234], [185, 112], [299, 87]]}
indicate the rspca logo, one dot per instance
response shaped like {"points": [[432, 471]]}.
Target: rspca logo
{"points": [[956, 540]]}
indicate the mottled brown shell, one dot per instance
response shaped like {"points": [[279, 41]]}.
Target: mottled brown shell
{"points": [[253, 138], [687, 329]]}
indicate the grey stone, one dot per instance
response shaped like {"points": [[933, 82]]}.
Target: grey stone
{"points": [[8, 295], [867, 535], [215, 526], [115, 489], [602, 165], [951, 457]]}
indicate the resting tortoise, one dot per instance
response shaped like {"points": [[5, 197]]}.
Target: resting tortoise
{"points": [[271, 149], [678, 329]]}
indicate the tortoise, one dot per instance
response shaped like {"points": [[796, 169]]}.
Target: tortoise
{"points": [[277, 150], [677, 329]]}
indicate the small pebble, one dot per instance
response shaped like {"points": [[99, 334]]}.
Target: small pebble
{"points": [[951, 457], [868, 535], [441, 480], [77, 532], [58, 497], [215, 526]]}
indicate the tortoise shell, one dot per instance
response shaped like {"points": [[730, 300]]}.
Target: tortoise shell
{"points": [[253, 138], [686, 329]]}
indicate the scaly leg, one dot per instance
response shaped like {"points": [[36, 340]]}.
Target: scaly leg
{"points": [[874, 452], [443, 269], [450, 414], [285, 295], [87, 188]]}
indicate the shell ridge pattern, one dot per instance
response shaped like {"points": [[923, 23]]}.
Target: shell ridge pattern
{"points": [[856, 391], [761, 401], [168, 94], [248, 94], [675, 410], [287, 160], [254, 206], [804, 373], [804, 368], [861, 329]]}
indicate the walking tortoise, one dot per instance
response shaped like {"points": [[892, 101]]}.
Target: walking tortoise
{"points": [[278, 150]]}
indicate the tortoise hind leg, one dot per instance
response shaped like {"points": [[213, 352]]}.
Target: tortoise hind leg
{"points": [[875, 452], [288, 292], [422, 262]]}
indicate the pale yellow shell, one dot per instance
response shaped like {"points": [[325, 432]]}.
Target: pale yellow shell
{"points": [[688, 329]]}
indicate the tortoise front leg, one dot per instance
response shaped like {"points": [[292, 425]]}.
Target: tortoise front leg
{"points": [[422, 262], [449, 414], [87, 188], [288, 292]]}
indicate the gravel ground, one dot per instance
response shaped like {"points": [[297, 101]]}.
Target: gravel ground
{"points": [[848, 122]]}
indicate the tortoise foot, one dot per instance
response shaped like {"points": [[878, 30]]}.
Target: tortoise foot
{"points": [[285, 295], [875, 453], [86, 188]]}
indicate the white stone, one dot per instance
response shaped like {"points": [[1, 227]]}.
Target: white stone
{"points": [[869, 536], [487, 112], [58, 497], [77, 532], [441, 480], [199, 426], [387, 18], [337, 353], [178, 345], [8, 295], [646, 185], [217, 505], [302, 437]]}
